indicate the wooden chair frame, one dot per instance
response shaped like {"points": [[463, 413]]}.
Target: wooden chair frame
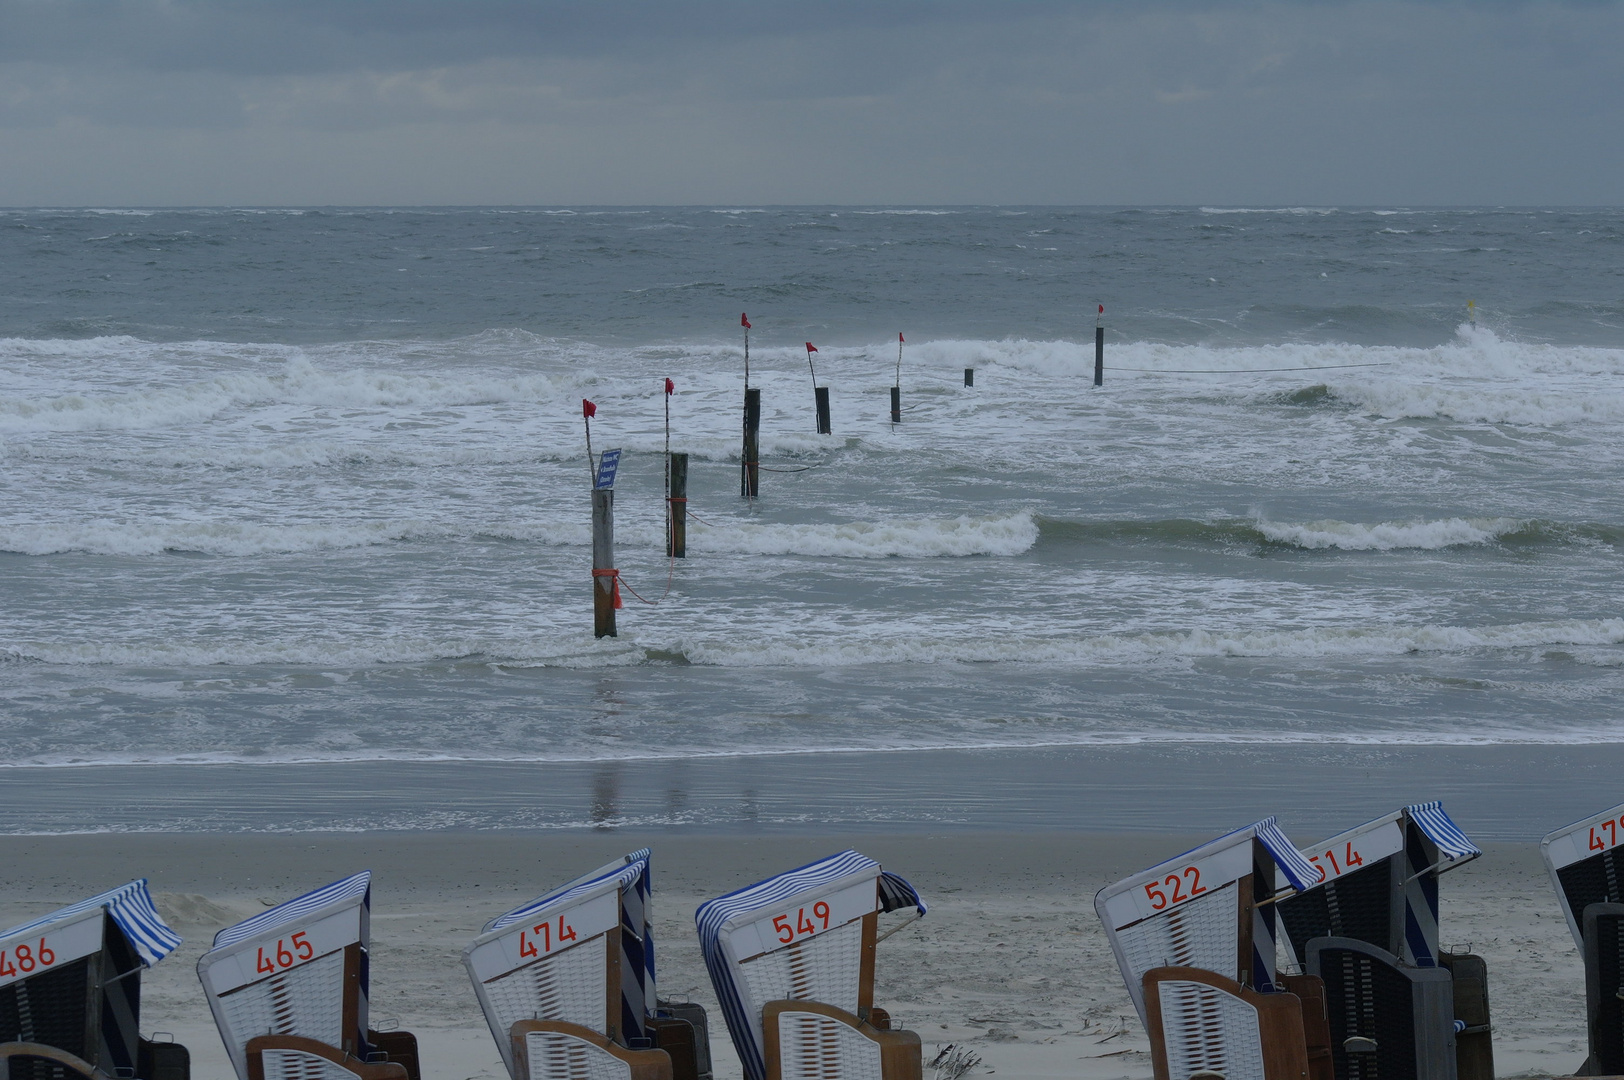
{"points": [[79, 1065], [1279, 1016], [644, 1064], [379, 1070], [901, 1054]]}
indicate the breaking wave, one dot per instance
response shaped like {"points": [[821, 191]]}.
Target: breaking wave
{"points": [[845, 650], [917, 538], [1325, 534]]}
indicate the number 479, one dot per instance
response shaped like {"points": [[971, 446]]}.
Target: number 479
{"points": [[1596, 843]]}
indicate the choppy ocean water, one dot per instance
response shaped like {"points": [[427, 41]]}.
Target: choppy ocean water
{"points": [[305, 491]]}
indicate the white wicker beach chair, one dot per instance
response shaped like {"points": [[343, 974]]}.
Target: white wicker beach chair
{"points": [[566, 982], [288, 989], [792, 961], [70, 991], [1210, 908], [1378, 884]]}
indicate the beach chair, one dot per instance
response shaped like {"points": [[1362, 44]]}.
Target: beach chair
{"points": [[1201, 1022], [1378, 884], [70, 992], [1212, 910], [566, 983], [792, 961], [1587, 869], [1387, 1018], [288, 989]]}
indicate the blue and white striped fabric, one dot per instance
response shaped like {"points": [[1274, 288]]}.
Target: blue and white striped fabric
{"points": [[748, 903], [638, 996], [623, 876], [132, 909], [353, 887], [1441, 830], [1301, 873], [896, 893]]}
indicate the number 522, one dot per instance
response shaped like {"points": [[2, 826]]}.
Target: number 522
{"points": [[1175, 882]]}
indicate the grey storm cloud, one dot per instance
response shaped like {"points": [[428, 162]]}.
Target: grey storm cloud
{"points": [[402, 102]]}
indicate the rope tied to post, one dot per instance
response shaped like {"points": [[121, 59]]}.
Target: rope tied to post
{"points": [[614, 583], [617, 581]]}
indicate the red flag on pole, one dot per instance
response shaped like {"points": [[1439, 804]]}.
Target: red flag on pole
{"points": [[588, 409], [899, 337], [811, 347], [744, 321], [1102, 309], [670, 388]]}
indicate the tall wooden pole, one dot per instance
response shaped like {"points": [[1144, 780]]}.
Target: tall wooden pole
{"points": [[820, 394], [1099, 348], [750, 462], [896, 387], [750, 452], [677, 537], [605, 587]]}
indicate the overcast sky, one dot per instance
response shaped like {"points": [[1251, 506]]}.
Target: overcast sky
{"points": [[306, 102]]}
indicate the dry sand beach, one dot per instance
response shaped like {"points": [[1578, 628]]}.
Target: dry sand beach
{"points": [[1011, 959]]}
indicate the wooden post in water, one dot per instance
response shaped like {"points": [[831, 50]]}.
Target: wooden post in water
{"points": [[1099, 348], [750, 461], [896, 387], [605, 589], [676, 541], [969, 376], [820, 394]]}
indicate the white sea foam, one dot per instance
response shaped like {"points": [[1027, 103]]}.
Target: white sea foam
{"points": [[959, 536], [921, 538], [827, 650], [1320, 211], [1117, 649], [240, 539], [300, 382], [1389, 535]]}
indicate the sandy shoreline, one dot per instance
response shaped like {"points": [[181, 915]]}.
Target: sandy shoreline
{"points": [[1011, 958]]}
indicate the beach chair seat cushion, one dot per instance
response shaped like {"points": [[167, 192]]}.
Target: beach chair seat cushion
{"points": [[294, 1057], [26, 1060], [808, 1040], [1202, 1022], [559, 1050]]}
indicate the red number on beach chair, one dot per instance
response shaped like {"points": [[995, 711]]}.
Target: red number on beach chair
{"points": [[1159, 899], [802, 926], [527, 943], [281, 956], [1596, 842]]}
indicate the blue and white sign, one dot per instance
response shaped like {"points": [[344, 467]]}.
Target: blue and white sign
{"points": [[607, 464]]}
